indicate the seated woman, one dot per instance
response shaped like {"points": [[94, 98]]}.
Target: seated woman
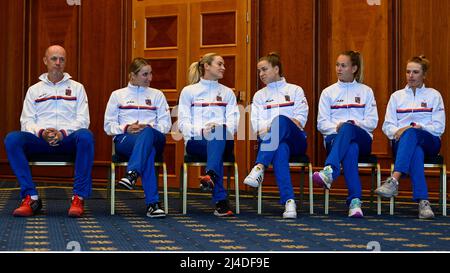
{"points": [[415, 122], [138, 117], [208, 118], [347, 117], [279, 114]]}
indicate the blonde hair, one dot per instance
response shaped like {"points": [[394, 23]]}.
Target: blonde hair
{"points": [[423, 61], [356, 60], [136, 65], [197, 69]]}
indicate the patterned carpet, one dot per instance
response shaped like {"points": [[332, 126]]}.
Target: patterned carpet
{"points": [[200, 230]]}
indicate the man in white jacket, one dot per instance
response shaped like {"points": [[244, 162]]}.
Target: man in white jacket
{"points": [[54, 120]]}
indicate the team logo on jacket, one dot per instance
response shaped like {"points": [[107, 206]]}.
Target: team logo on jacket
{"points": [[218, 98], [287, 98], [424, 105], [357, 99], [68, 92], [148, 102]]}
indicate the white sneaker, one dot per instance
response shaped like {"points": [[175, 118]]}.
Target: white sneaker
{"points": [[425, 211], [290, 209], [255, 177]]}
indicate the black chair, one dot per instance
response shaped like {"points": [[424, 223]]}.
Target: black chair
{"points": [[191, 161], [301, 161], [369, 161], [432, 162], [119, 161]]}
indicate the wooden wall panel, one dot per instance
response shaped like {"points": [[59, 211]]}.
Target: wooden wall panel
{"points": [[12, 49], [52, 22], [424, 30], [103, 66], [96, 36], [356, 25], [292, 36]]}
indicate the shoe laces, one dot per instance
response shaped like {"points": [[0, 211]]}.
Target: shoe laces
{"points": [[27, 200], [132, 176], [328, 171], [424, 204], [76, 201], [355, 203]]}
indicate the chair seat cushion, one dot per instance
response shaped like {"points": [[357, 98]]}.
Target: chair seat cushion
{"points": [[51, 157], [299, 159], [372, 159], [438, 159], [194, 158], [117, 158]]}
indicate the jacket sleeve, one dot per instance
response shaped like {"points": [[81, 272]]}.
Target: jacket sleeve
{"points": [[82, 116], [370, 114], [28, 116], [232, 114], [111, 124], [256, 115], [436, 126], [324, 123], [163, 121], [187, 128], [300, 106], [390, 124]]}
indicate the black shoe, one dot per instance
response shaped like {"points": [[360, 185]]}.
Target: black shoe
{"points": [[129, 180], [155, 211], [207, 181], [223, 209]]}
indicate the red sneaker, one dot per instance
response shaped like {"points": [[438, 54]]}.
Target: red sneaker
{"points": [[28, 207], [76, 209]]}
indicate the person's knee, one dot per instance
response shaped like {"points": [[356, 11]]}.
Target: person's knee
{"points": [[13, 139], [346, 127], [280, 121], [85, 136], [353, 150]]}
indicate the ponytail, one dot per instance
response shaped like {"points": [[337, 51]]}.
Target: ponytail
{"points": [[356, 60], [197, 69]]}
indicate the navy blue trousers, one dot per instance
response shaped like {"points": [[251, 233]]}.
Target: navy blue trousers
{"points": [[213, 149], [81, 142], [409, 153], [345, 147], [141, 150], [283, 140]]}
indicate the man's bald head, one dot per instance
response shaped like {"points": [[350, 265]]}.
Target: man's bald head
{"points": [[55, 60], [55, 49]]}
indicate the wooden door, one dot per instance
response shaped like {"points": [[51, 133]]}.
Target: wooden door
{"points": [[175, 34]]}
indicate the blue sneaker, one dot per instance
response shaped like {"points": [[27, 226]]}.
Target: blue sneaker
{"points": [[354, 210]]}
